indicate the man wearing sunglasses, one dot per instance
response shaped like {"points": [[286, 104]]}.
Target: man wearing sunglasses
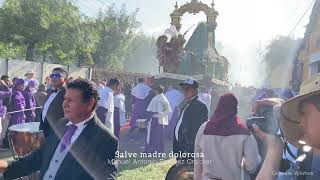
{"points": [[52, 109]]}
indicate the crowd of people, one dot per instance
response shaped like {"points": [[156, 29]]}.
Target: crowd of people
{"points": [[81, 122], [21, 98]]}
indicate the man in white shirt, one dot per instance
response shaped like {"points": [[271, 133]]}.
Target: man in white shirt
{"points": [[106, 104], [119, 115], [82, 148]]}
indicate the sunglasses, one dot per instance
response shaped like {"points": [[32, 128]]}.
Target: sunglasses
{"points": [[56, 76]]}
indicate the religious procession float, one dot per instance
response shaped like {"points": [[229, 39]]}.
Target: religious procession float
{"points": [[197, 58]]}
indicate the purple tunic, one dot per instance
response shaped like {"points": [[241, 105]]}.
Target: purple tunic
{"points": [[140, 110], [30, 103], [156, 137], [17, 103]]}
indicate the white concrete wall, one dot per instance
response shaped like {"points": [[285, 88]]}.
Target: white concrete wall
{"points": [[18, 68], [2, 67]]}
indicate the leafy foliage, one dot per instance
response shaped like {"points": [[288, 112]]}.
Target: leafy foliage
{"points": [[10, 51], [116, 28], [142, 54], [50, 26], [54, 31], [280, 51]]}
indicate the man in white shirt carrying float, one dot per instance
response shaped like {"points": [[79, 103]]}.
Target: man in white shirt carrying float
{"points": [[105, 108]]}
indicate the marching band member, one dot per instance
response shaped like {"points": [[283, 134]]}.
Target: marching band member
{"points": [[52, 109], [17, 103], [30, 101], [81, 148]]}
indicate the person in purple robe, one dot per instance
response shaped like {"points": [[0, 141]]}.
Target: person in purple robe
{"points": [[140, 93], [159, 109], [17, 103], [30, 101]]}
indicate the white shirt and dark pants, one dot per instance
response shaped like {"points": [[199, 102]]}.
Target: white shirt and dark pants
{"points": [[105, 108], [52, 111]]}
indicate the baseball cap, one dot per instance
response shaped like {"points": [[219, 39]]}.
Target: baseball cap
{"points": [[190, 82]]}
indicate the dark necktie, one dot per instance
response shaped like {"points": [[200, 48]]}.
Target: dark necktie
{"points": [[54, 91], [66, 141]]}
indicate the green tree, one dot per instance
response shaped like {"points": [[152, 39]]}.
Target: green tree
{"points": [[142, 50], [51, 27], [281, 50], [115, 28], [54, 31], [10, 51], [88, 39]]}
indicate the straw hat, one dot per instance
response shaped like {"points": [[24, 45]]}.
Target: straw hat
{"points": [[29, 72], [290, 115]]}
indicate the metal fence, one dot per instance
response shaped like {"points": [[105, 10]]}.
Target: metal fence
{"points": [[18, 68]]}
